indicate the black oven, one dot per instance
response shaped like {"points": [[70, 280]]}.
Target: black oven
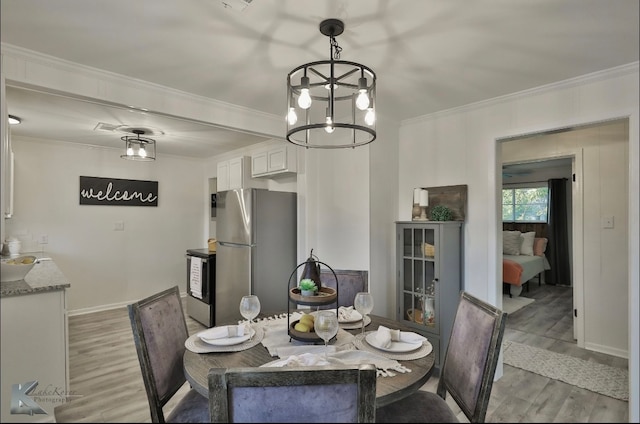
{"points": [[201, 304]]}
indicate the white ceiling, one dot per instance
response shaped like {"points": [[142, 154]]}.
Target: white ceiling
{"points": [[429, 55]]}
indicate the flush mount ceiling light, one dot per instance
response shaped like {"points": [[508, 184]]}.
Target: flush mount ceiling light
{"points": [[139, 148], [331, 103], [14, 120]]}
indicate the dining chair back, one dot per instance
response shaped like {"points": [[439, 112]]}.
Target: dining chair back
{"points": [[307, 394], [159, 332], [349, 283], [467, 371]]}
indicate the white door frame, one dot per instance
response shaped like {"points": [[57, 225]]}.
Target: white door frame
{"points": [[577, 237]]}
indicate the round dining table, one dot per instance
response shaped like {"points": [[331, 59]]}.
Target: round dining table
{"points": [[388, 389]]}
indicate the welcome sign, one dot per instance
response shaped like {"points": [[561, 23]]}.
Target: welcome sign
{"points": [[118, 192]]}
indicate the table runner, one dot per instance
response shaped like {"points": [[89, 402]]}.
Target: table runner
{"points": [[276, 337], [385, 367]]}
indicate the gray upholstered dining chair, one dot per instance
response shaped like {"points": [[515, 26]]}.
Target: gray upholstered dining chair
{"points": [[467, 371], [308, 394], [350, 282], [159, 332]]}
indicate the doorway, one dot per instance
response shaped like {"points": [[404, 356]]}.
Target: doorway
{"points": [[571, 143]]}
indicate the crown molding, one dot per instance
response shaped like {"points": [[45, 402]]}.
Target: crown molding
{"points": [[618, 71]]}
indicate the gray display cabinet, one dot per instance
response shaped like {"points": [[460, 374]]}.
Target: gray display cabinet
{"points": [[429, 263]]}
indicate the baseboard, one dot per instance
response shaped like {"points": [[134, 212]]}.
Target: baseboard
{"points": [[608, 350], [102, 308]]}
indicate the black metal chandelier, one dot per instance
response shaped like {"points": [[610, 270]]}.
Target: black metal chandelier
{"points": [[139, 148], [331, 103]]}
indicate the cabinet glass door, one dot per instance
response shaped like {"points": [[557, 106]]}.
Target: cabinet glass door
{"points": [[419, 277]]}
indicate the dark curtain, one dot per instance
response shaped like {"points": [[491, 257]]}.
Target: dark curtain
{"points": [[558, 234]]}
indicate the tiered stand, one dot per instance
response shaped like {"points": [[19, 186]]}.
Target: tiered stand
{"points": [[324, 296]]}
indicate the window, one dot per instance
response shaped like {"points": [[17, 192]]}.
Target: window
{"points": [[525, 204]]}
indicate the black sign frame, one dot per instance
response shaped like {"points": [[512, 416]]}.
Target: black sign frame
{"points": [[117, 192]]}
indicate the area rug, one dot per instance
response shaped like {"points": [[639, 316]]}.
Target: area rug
{"points": [[512, 304], [604, 379]]}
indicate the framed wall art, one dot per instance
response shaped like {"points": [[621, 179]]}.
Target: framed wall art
{"points": [[453, 197]]}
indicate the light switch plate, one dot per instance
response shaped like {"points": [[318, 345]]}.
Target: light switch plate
{"points": [[607, 222], [118, 226]]}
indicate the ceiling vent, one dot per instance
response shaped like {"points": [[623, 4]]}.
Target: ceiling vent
{"points": [[105, 127], [236, 5], [128, 129]]}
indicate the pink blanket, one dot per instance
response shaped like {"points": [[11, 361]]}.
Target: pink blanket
{"points": [[511, 272]]}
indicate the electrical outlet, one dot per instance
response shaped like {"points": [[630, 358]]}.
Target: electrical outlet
{"points": [[43, 239], [118, 226]]}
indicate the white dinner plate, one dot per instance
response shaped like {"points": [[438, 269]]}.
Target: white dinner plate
{"points": [[229, 341], [355, 316], [395, 346]]}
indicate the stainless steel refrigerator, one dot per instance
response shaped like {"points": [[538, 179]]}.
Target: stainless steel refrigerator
{"points": [[256, 249]]}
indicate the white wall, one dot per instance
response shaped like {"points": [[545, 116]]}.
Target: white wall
{"points": [[460, 147], [104, 266], [383, 204]]}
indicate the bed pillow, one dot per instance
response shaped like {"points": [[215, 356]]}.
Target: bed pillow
{"points": [[511, 242], [539, 246], [526, 248]]}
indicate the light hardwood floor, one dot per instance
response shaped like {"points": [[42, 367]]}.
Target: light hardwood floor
{"points": [[105, 372]]}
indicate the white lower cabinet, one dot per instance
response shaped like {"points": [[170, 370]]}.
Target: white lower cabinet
{"points": [[34, 349]]}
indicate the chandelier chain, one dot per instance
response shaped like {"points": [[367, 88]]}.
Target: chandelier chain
{"points": [[336, 48]]}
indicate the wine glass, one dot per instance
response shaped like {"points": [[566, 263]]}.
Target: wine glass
{"points": [[363, 302], [326, 326], [250, 308]]}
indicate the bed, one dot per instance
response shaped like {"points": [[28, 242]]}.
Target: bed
{"points": [[523, 259]]}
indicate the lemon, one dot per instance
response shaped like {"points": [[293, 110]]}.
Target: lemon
{"points": [[307, 320], [302, 327]]}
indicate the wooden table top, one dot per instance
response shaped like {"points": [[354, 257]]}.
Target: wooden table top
{"points": [[388, 389]]}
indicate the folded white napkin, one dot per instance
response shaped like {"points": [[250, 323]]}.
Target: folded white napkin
{"points": [[347, 313], [344, 312], [304, 359], [385, 336], [385, 366], [284, 351], [223, 332]]}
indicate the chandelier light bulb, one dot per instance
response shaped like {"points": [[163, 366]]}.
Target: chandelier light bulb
{"points": [[292, 117], [304, 101], [142, 152], [370, 117], [362, 102], [329, 128], [129, 150]]}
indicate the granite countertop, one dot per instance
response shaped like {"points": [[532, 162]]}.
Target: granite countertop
{"points": [[44, 276]]}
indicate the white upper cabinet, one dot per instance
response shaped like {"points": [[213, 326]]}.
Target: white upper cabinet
{"points": [[223, 175], [236, 173], [275, 160]]}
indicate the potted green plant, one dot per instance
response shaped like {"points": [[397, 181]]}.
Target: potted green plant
{"points": [[441, 213], [307, 287]]}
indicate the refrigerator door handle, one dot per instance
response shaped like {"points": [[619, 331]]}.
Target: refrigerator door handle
{"points": [[225, 243]]}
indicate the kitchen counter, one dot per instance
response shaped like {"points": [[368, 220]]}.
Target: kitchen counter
{"points": [[34, 331], [44, 276]]}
